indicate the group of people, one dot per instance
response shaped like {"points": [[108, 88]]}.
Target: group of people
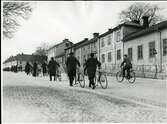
{"points": [[51, 68], [35, 69], [90, 67]]}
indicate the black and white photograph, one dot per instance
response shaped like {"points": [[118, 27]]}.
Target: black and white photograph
{"points": [[83, 61]]}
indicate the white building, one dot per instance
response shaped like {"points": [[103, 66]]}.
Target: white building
{"points": [[20, 60], [148, 47], [111, 44], [58, 51]]}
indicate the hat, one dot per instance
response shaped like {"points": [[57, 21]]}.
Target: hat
{"points": [[91, 54], [71, 53]]}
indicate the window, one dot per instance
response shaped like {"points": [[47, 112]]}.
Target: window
{"points": [[88, 46], [103, 58], [78, 57], [109, 57], [102, 42], [118, 54], [130, 53], [140, 52], [118, 36], [109, 39], [164, 47], [151, 49]]}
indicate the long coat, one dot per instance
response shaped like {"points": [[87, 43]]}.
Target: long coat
{"points": [[27, 68], [44, 67], [91, 65], [52, 67], [71, 65]]}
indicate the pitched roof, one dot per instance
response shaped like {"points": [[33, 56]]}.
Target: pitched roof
{"points": [[77, 44], [146, 31], [25, 57], [56, 45], [128, 23]]}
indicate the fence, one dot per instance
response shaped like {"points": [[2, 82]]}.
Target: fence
{"points": [[145, 71]]}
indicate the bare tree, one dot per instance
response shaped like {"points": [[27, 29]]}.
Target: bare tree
{"points": [[137, 10], [42, 49], [12, 12]]}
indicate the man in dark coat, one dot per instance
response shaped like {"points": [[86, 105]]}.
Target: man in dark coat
{"points": [[127, 65], [35, 67], [90, 66], [52, 68], [44, 68], [71, 65], [27, 68]]}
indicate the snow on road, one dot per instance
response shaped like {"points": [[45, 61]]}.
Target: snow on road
{"points": [[29, 99]]}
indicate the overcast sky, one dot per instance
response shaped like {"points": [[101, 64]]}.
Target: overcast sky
{"points": [[54, 21]]}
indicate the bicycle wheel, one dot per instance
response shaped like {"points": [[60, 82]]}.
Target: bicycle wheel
{"points": [[103, 81], [119, 76], [81, 80], [132, 77]]}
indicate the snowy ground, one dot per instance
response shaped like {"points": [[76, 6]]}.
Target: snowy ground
{"points": [[30, 99]]}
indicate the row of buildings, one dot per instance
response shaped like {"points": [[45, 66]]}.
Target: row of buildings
{"points": [[146, 46], [20, 61]]}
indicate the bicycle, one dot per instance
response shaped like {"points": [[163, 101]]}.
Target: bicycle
{"points": [[131, 78], [79, 79], [101, 78]]}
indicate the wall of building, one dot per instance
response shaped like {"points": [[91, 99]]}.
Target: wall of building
{"points": [[144, 41], [112, 47]]}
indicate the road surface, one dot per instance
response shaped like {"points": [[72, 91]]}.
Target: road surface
{"points": [[30, 99]]}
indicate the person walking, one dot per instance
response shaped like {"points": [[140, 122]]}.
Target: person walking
{"points": [[27, 68], [44, 68], [52, 68], [91, 65], [71, 65], [35, 67]]}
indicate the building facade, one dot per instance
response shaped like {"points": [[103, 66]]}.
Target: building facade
{"points": [[111, 47], [144, 45], [148, 47], [83, 48], [20, 60], [58, 51]]}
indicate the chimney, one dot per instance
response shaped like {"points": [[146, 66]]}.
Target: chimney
{"points": [[95, 35], [65, 40], [109, 29], [136, 21], [145, 21], [85, 38]]}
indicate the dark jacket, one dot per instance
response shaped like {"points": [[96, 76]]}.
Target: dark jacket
{"points": [[44, 67], [72, 63], [52, 67], [127, 63], [27, 67], [91, 65]]}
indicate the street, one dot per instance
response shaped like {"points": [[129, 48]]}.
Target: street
{"points": [[36, 99]]}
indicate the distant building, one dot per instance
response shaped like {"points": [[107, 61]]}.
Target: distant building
{"points": [[57, 51], [20, 60], [83, 48]]}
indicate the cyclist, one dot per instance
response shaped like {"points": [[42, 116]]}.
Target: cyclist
{"points": [[91, 65], [127, 65], [71, 65]]}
